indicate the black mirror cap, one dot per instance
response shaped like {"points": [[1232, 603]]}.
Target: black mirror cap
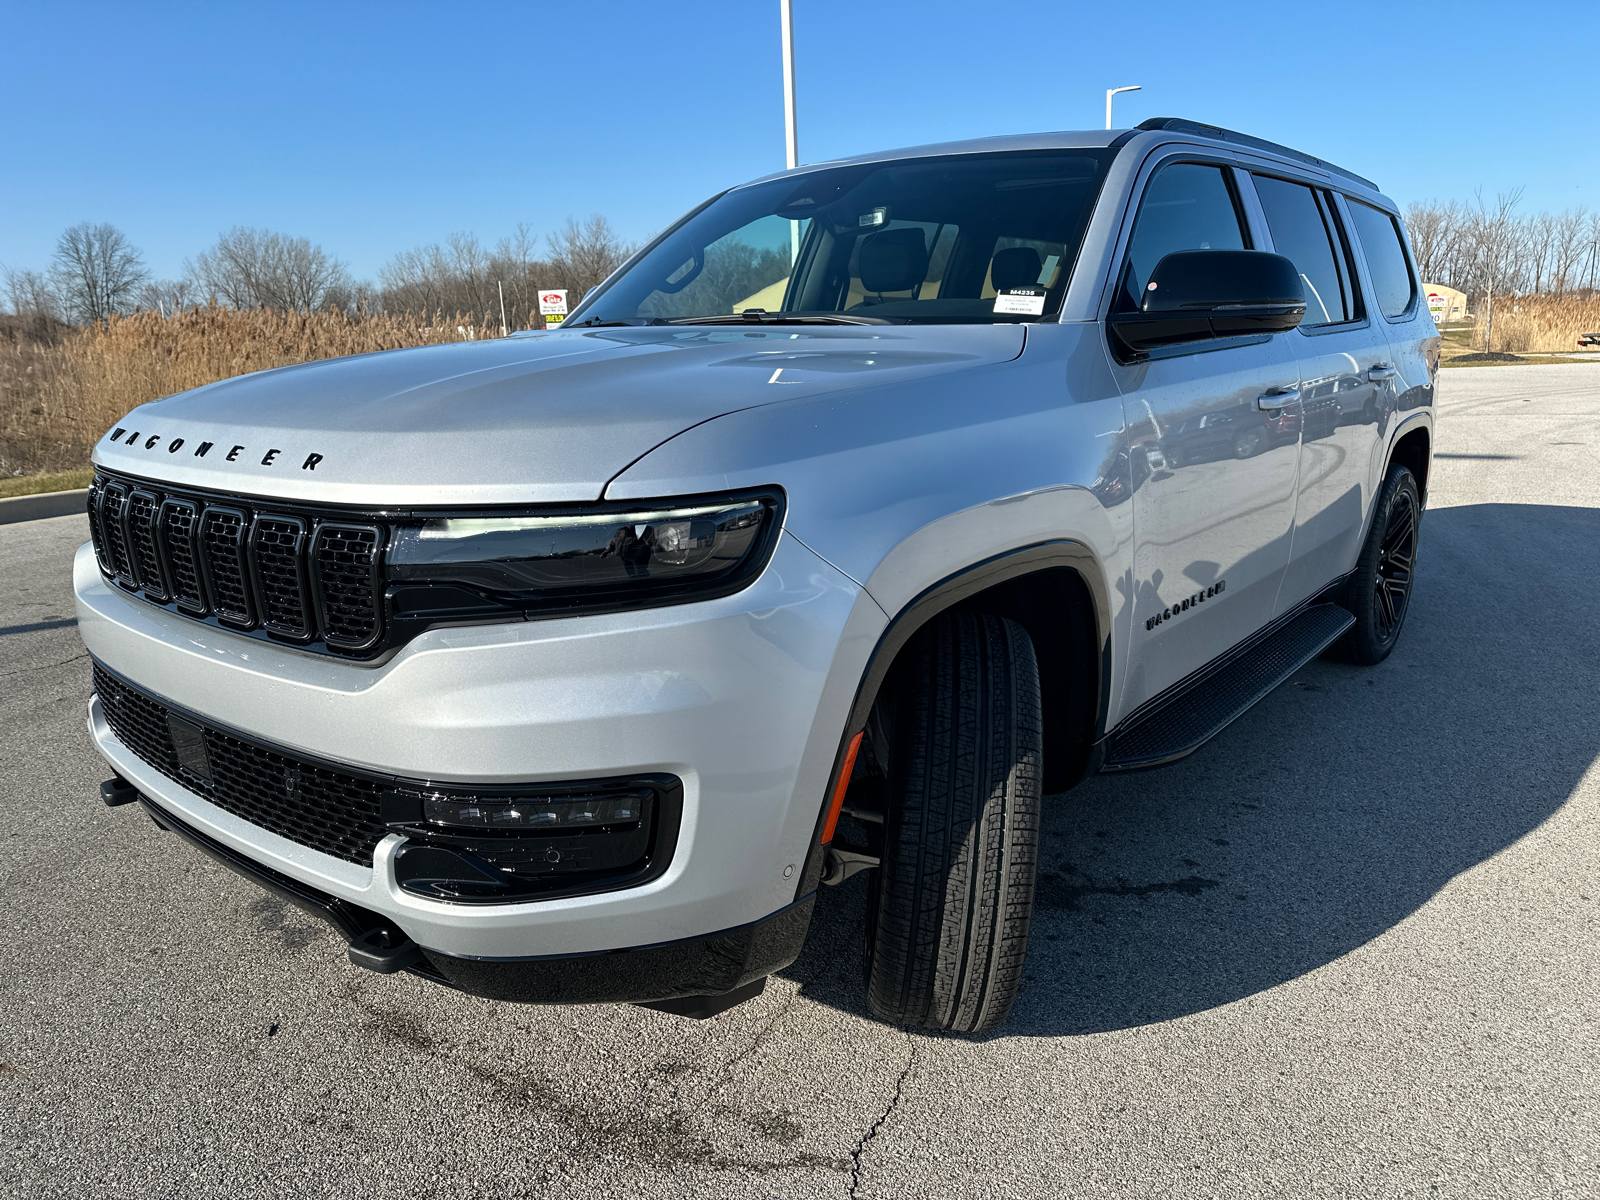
{"points": [[1195, 295]]}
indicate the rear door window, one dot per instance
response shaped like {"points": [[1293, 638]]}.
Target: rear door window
{"points": [[1186, 206], [1305, 231], [1392, 279]]}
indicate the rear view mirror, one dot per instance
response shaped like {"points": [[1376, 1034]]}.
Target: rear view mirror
{"points": [[1195, 295]]}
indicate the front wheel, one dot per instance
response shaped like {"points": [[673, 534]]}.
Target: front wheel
{"points": [[954, 894], [1379, 592]]}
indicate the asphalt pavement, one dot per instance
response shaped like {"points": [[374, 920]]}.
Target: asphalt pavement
{"points": [[1348, 949]]}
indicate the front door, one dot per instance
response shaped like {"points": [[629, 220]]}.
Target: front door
{"points": [[1214, 502]]}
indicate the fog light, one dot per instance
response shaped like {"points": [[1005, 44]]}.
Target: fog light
{"points": [[533, 813]]}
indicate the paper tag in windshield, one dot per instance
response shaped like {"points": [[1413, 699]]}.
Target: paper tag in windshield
{"points": [[1025, 302]]}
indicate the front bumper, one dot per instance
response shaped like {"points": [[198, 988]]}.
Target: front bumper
{"points": [[742, 698], [732, 961]]}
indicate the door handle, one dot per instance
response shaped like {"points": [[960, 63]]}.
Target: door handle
{"points": [[1380, 372], [1277, 398]]}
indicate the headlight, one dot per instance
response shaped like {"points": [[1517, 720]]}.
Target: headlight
{"points": [[491, 567]]}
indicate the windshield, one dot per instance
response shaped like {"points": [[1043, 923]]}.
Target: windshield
{"points": [[970, 239]]}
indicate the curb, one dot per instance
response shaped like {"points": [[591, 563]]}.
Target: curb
{"points": [[43, 504]]}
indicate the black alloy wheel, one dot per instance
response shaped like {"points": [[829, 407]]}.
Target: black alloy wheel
{"points": [[1397, 559], [1379, 591]]}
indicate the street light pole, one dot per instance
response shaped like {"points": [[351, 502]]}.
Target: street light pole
{"points": [[1110, 92], [791, 134]]}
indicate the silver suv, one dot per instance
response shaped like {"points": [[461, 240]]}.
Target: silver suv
{"points": [[868, 504]]}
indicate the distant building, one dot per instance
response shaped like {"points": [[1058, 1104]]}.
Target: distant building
{"points": [[1445, 303]]}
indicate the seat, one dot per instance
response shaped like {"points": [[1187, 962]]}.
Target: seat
{"points": [[895, 260], [1018, 267]]}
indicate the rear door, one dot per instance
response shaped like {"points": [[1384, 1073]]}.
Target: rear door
{"points": [[1391, 280], [1345, 384], [1213, 505]]}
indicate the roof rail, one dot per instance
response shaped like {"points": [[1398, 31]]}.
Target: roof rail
{"points": [[1217, 133]]}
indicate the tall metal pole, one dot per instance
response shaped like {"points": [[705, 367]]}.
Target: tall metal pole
{"points": [[791, 134], [1110, 92]]}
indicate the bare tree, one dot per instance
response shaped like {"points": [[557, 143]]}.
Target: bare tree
{"points": [[1435, 229], [167, 296], [1497, 238], [1567, 249], [31, 296], [95, 272], [1594, 250], [582, 255], [457, 277], [256, 268]]}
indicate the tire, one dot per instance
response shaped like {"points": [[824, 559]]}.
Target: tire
{"points": [[1379, 592], [953, 898]]}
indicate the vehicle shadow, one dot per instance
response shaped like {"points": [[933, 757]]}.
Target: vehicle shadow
{"points": [[1326, 815]]}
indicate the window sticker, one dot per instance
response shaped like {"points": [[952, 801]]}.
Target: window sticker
{"points": [[1025, 302]]}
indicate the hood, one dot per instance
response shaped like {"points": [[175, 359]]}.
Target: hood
{"points": [[533, 418]]}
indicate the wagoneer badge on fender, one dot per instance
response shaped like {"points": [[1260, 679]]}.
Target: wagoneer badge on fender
{"points": [[1187, 603]]}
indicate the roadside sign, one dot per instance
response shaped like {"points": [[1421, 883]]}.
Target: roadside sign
{"points": [[553, 306]]}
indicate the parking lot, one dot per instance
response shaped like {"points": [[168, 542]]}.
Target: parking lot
{"points": [[1352, 947]]}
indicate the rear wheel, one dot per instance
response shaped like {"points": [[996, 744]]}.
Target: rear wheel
{"points": [[1379, 592], [953, 900]]}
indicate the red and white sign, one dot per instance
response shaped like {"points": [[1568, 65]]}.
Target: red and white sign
{"points": [[553, 306]]}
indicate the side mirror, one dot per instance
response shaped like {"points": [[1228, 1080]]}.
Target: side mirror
{"points": [[1195, 295]]}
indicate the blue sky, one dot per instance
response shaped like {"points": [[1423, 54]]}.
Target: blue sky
{"points": [[374, 128]]}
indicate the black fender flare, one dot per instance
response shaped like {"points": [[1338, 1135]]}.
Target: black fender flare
{"points": [[947, 593]]}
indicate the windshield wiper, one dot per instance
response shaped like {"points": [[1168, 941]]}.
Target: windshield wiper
{"points": [[597, 323], [760, 316]]}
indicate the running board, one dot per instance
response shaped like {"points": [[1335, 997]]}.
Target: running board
{"points": [[1199, 708]]}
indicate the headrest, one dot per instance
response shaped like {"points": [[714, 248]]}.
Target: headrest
{"points": [[894, 260], [1017, 267]]}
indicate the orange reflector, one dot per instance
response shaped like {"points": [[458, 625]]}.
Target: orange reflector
{"points": [[840, 788]]}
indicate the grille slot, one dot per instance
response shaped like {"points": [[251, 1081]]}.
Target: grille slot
{"points": [[113, 507], [177, 525], [140, 522], [348, 569], [278, 568], [96, 533], [222, 561], [327, 810]]}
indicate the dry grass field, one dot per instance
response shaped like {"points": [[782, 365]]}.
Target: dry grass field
{"points": [[59, 394], [1533, 324]]}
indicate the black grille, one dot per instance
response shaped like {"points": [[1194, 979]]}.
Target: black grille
{"points": [[113, 507], [222, 537], [326, 810], [277, 555], [141, 540], [177, 526], [347, 570], [300, 577], [96, 486]]}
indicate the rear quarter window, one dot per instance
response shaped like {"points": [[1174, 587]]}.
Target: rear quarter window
{"points": [[1392, 279]]}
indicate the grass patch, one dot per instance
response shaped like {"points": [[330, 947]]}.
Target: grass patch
{"points": [[1520, 362], [56, 481]]}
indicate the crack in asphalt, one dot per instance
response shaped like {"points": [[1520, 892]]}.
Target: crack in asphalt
{"points": [[883, 1117], [656, 1136], [1052, 890], [43, 666]]}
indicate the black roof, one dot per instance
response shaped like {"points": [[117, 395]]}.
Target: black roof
{"points": [[1217, 133]]}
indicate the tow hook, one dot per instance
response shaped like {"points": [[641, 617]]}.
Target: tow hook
{"points": [[384, 950], [840, 864]]}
